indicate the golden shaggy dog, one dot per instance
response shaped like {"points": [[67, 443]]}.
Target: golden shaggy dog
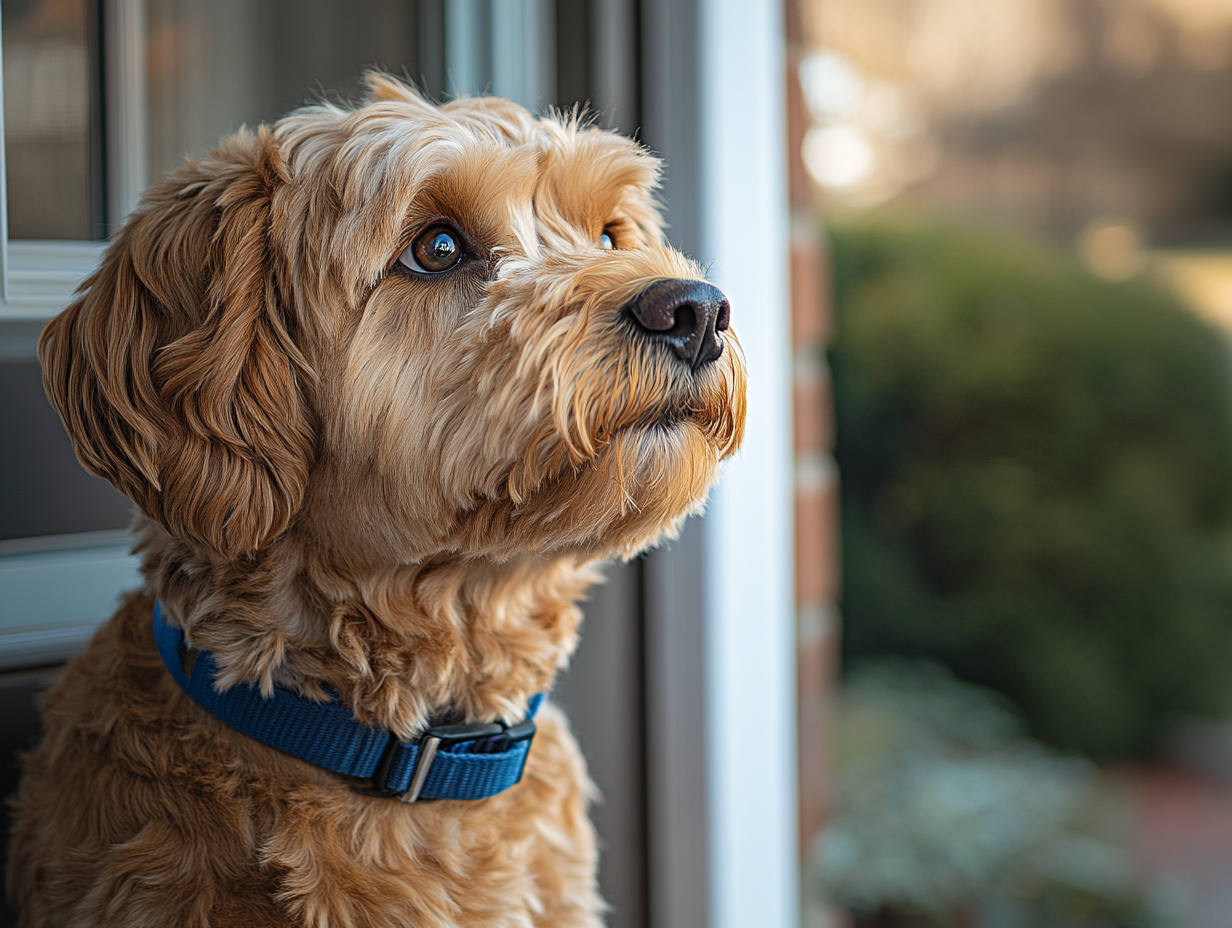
{"points": [[384, 384]]}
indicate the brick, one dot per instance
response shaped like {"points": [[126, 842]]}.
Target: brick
{"points": [[799, 183], [818, 668], [813, 405], [809, 305], [816, 531]]}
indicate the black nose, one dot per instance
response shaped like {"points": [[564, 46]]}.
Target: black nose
{"points": [[686, 314]]}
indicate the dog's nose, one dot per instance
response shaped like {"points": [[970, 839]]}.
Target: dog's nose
{"points": [[687, 314]]}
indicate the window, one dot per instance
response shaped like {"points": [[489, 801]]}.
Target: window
{"points": [[101, 95]]}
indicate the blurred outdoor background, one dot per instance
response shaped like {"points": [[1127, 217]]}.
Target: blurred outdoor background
{"points": [[1028, 224]]}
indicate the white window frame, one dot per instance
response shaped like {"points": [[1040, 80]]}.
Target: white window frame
{"points": [[720, 617], [55, 590]]}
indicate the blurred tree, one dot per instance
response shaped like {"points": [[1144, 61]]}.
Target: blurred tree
{"points": [[1037, 481]]}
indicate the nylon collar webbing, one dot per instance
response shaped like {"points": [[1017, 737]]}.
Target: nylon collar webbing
{"points": [[449, 762]]}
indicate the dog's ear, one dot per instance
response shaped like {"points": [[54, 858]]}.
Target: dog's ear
{"points": [[176, 373]]}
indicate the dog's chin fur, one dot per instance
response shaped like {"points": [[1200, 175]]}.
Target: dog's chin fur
{"points": [[359, 479]]}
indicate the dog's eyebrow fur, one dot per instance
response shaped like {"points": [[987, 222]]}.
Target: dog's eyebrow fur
{"points": [[587, 175], [483, 189]]}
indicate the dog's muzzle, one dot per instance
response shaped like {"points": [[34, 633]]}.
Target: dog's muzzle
{"points": [[687, 315]]}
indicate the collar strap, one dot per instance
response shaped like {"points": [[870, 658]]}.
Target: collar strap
{"points": [[448, 762]]}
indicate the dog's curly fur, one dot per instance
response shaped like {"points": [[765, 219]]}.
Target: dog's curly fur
{"points": [[356, 478]]}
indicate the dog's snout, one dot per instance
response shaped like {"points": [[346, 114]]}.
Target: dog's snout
{"points": [[685, 314]]}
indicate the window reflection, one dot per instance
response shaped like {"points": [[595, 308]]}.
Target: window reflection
{"points": [[217, 65], [49, 56]]}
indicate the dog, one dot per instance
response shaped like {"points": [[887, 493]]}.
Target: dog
{"points": [[385, 383]]}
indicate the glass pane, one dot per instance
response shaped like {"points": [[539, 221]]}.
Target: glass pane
{"points": [[48, 108], [503, 47], [218, 64], [46, 492]]}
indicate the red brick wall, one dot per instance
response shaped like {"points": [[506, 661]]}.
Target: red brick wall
{"points": [[816, 476]]}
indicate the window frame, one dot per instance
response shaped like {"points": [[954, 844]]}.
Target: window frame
{"points": [[38, 277], [56, 589]]}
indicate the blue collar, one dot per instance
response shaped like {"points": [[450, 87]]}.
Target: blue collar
{"points": [[448, 762]]}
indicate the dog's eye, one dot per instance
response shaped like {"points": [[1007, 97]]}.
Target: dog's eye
{"points": [[436, 249], [606, 241]]}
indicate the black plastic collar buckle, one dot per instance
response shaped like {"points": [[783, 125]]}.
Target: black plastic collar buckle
{"points": [[487, 738]]}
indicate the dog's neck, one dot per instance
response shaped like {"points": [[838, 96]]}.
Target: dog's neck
{"points": [[402, 645]]}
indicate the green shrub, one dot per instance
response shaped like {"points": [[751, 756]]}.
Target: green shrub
{"points": [[1037, 481], [945, 815]]}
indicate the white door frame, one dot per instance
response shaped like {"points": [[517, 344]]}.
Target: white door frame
{"points": [[721, 700]]}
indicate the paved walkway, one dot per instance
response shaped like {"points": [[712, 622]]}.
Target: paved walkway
{"points": [[1182, 841]]}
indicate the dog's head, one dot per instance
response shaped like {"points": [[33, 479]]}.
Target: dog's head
{"points": [[403, 330]]}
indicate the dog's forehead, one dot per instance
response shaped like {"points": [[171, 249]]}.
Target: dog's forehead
{"points": [[559, 162], [553, 156], [507, 174]]}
